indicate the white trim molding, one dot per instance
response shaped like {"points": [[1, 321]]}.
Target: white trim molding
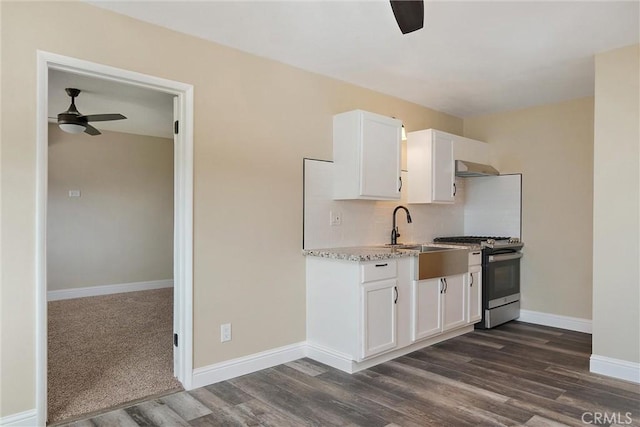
{"points": [[183, 208], [92, 291], [26, 419], [345, 363], [555, 320], [245, 365], [267, 359], [615, 368], [330, 357]]}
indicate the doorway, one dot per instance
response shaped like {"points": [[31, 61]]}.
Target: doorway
{"points": [[182, 215]]}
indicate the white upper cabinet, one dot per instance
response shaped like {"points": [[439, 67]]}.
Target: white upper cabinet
{"points": [[431, 156], [366, 156], [430, 165]]}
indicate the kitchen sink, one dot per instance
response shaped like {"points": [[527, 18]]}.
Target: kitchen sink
{"points": [[438, 261], [425, 248], [421, 248], [409, 246]]}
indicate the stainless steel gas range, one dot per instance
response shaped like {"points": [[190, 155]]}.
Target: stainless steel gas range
{"points": [[500, 276]]}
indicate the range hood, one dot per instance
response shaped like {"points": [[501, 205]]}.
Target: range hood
{"points": [[466, 169]]}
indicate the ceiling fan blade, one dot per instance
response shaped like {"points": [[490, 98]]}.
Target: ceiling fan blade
{"points": [[104, 117], [91, 130], [409, 14]]}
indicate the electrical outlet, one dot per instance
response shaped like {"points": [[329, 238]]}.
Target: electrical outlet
{"points": [[225, 332], [74, 193], [335, 218]]}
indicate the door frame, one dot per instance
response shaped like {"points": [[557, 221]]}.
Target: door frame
{"points": [[183, 209]]}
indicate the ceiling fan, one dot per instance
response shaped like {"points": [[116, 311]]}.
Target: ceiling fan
{"points": [[73, 122], [409, 14]]}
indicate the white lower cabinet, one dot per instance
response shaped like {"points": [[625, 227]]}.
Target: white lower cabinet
{"points": [[454, 302], [378, 307], [426, 311], [363, 313], [474, 287], [439, 305], [353, 307]]}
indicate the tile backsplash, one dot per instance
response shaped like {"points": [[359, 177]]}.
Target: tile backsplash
{"points": [[367, 222], [493, 206]]}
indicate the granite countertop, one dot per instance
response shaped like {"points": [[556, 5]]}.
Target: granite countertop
{"points": [[372, 253], [361, 253]]}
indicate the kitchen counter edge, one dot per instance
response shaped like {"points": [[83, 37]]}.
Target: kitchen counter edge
{"points": [[361, 253], [373, 253]]}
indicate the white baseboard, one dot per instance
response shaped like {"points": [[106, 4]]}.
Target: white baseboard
{"points": [[92, 291], [330, 357], [23, 419], [255, 362], [616, 368], [245, 365], [556, 321], [346, 363]]}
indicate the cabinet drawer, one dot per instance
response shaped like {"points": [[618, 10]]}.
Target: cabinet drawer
{"points": [[379, 270], [475, 257]]}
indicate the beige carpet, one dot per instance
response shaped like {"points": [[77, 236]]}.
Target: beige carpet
{"points": [[107, 350]]}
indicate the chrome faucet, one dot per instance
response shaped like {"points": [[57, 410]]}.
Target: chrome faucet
{"points": [[394, 230]]}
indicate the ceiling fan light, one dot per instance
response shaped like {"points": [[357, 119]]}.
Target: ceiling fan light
{"points": [[71, 127]]}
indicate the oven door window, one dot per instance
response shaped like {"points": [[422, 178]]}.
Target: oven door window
{"points": [[503, 278]]}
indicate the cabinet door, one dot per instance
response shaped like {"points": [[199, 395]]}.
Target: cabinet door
{"points": [[443, 169], [378, 317], [474, 289], [454, 299], [426, 310], [380, 158]]}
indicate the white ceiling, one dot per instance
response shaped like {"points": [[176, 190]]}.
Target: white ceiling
{"points": [[148, 112], [471, 58]]}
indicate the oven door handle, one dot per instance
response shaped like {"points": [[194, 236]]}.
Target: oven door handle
{"points": [[505, 257]]}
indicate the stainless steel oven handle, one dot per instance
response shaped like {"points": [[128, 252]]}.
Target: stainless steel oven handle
{"points": [[505, 257]]}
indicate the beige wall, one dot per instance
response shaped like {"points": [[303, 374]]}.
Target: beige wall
{"points": [[255, 120], [121, 228], [552, 146], [616, 212]]}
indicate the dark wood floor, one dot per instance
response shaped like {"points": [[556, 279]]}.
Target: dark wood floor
{"points": [[516, 374]]}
